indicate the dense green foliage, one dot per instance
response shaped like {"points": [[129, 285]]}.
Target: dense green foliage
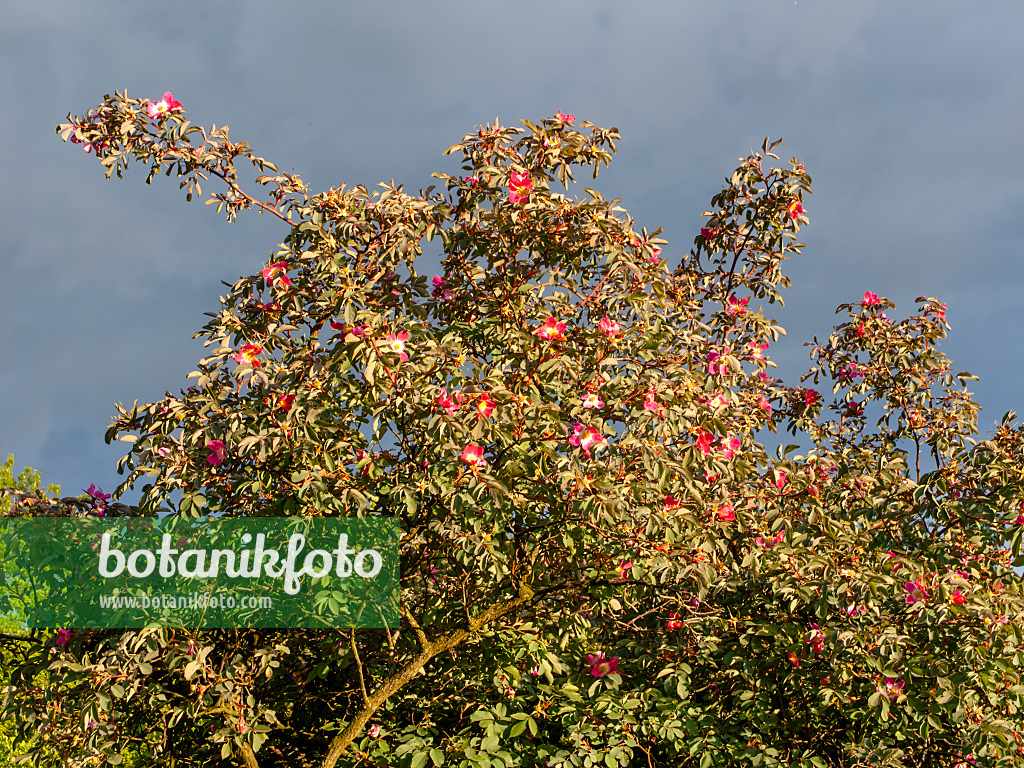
{"points": [[13, 637], [601, 564]]}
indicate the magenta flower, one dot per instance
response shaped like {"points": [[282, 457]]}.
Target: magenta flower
{"points": [[396, 344], [600, 666], [757, 349], [586, 438], [716, 362], [870, 299], [593, 400], [729, 446], [915, 592], [564, 119], [485, 406], [737, 306], [608, 326], [217, 453], [374, 731], [474, 456], [97, 493], [650, 404], [708, 232], [519, 187], [552, 329], [726, 513], [248, 355], [161, 109], [850, 372], [718, 401], [891, 688], [63, 636], [448, 404], [816, 638], [794, 210], [704, 442], [440, 292], [769, 543], [625, 569], [275, 273]]}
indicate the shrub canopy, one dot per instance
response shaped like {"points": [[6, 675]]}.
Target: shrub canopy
{"points": [[601, 563]]}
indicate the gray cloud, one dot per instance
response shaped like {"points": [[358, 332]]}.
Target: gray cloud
{"points": [[907, 118]]}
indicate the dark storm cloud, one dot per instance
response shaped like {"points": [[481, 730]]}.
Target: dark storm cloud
{"points": [[906, 116]]}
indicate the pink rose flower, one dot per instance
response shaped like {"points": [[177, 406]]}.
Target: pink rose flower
{"points": [[564, 119], [485, 406], [275, 273], [716, 362], [248, 355], [704, 442], [891, 688], [600, 666], [915, 592], [217, 452], [446, 403], [757, 349], [63, 636], [729, 446], [396, 344], [161, 109], [608, 326], [519, 187], [870, 299], [552, 329], [650, 404], [374, 731], [586, 438], [737, 306], [474, 456], [97, 493]]}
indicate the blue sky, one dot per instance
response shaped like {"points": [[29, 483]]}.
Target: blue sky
{"points": [[907, 116]]}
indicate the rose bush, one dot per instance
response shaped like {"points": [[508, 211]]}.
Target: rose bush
{"points": [[601, 562]]}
